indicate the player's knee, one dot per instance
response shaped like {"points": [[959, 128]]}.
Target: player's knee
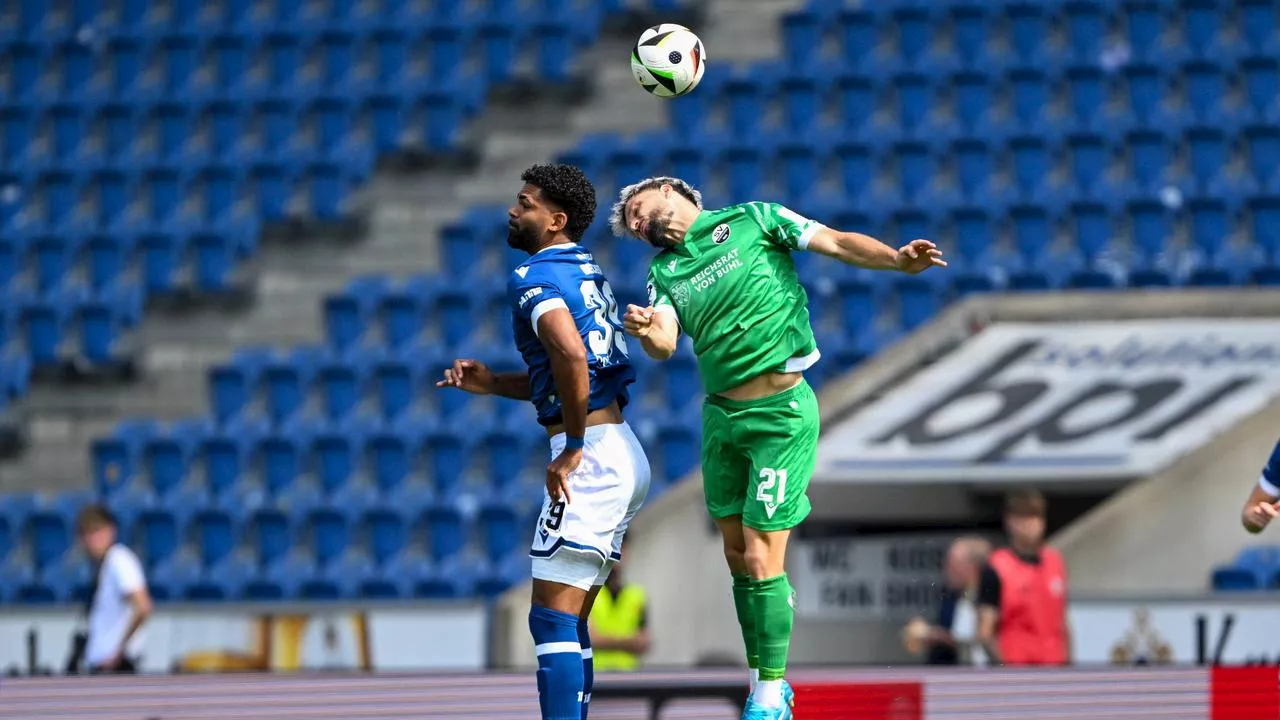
{"points": [[736, 558], [763, 561]]}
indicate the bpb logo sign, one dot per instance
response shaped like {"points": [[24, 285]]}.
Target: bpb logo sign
{"points": [[1079, 400]]}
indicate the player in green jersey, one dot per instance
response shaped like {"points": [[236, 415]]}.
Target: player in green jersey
{"points": [[726, 278]]}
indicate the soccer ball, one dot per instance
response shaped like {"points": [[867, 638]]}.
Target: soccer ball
{"points": [[668, 60]]}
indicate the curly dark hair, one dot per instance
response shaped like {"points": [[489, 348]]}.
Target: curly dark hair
{"points": [[566, 187]]}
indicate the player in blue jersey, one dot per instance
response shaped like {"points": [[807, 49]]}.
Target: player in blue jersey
{"points": [[567, 328], [1264, 502]]}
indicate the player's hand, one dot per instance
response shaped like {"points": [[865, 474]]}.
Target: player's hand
{"points": [[558, 473], [1259, 515], [918, 256], [470, 375], [637, 321]]}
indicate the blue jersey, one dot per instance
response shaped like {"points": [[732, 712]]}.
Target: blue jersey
{"points": [[566, 276], [1270, 480]]}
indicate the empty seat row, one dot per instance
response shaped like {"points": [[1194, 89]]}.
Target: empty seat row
{"points": [[182, 579], [939, 36], [914, 174], [1085, 98], [163, 262], [183, 67], [133, 18]]}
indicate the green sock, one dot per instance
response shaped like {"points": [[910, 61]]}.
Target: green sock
{"points": [[772, 602], [746, 618]]}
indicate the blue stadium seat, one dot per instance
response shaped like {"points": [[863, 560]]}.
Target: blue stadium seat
{"points": [[223, 459], [446, 455], [1258, 25], [500, 529], [402, 309], [802, 33], [44, 325], [1207, 153], [1030, 158], [329, 534], [447, 531], [1086, 24], [1234, 579], [160, 532], [678, 443], [390, 456], [279, 461], [215, 534], [1201, 29], [396, 384], [385, 531], [271, 533], [1263, 146], [918, 302]]}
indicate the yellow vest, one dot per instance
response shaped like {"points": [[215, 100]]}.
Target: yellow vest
{"points": [[618, 616]]}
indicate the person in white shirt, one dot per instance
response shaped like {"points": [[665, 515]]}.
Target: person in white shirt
{"points": [[120, 602]]}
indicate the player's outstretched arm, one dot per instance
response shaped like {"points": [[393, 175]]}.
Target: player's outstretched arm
{"points": [[1261, 508], [865, 251], [657, 331], [474, 376]]}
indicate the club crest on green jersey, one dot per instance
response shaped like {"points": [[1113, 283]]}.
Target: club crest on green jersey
{"points": [[680, 293], [721, 233]]}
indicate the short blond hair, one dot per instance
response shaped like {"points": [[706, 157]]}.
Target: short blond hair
{"points": [[617, 221]]}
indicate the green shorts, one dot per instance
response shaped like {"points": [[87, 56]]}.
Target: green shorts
{"points": [[758, 456]]}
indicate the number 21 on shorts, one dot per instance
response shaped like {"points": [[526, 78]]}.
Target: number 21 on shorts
{"points": [[772, 488]]}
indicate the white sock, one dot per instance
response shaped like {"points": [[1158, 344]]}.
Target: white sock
{"points": [[768, 693], [755, 677]]}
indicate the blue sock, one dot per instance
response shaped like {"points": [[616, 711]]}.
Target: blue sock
{"points": [[588, 666], [555, 635]]}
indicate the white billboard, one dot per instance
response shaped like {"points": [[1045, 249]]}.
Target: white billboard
{"points": [[1041, 401], [240, 638], [1176, 632], [894, 576]]}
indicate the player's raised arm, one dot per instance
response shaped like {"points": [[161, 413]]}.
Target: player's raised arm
{"points": [[656, 328], [854, 248]]}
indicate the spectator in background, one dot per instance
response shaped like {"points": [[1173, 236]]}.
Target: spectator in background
{"points": [[953, 639], [1022, 606], [619, 623], [119, 603]]}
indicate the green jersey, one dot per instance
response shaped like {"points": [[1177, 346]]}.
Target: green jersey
{"points": [[733, 288]]}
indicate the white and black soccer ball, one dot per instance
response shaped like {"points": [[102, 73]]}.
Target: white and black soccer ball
{"points": [[668, 60]]}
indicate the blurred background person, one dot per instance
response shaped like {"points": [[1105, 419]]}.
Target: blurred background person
{"points": [[1022, 605], [952, 640], [119, 603], [619, 623]]}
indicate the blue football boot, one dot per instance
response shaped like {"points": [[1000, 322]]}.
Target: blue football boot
{"points": [[756, 712]]}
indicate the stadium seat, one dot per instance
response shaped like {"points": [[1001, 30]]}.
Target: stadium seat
{"points": [[1233, 579], [501, 530], [446, 531]]}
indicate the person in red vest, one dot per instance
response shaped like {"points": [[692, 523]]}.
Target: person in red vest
{"points": [[1022, 603]]}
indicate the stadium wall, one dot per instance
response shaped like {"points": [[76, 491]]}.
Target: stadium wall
{"points": [[1162, 534]]}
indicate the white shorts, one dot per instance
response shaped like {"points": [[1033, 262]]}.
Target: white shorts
{"points": [[577, 544]]}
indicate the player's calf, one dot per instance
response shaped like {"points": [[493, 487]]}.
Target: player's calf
{"points": [[553, 622]]}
